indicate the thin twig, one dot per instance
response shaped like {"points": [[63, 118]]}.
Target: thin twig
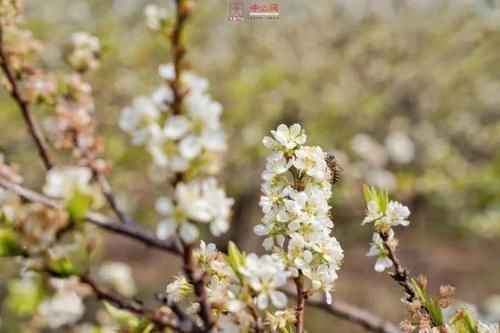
{"points": [[353, 314], [401, 274], [33, 128], [301, 301], [40, 141], [132, 231], [161, 320], [111, 199], [197, 279], [194, 276]]}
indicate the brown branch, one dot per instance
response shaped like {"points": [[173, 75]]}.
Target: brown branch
{"points": [[161, 320], [197, 279], [132, 231], [40, 141], [301, 300], [179, 53], [258, 322], [401, 274], [353, 314], [111, 199], [194, 276], [33, 128]]}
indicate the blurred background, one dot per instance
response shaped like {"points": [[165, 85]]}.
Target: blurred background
{"points": [[405, 93]]}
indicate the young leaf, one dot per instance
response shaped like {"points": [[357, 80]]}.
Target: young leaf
{"points": [[9, 247], [78, 206], [63, 266], [122, 317]]}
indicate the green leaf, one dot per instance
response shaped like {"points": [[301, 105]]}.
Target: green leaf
{"points": [[9, 246], [464, 322], [78, 206], [63, 266], [429, 304], [122, 317], [235, 258]]}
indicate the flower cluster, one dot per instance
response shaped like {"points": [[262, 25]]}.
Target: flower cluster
{"points": [[384, 214], [176, 142], [237, 286], [86, 51], [296, 222], [199, 201]]}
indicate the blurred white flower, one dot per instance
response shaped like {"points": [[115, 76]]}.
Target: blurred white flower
{"points": [[63, 308], [140, 120], [65, 181], [85, 54], [155, 15], [382, 178], [197, 201], [118, 275], [400, 147], [368, 149]]}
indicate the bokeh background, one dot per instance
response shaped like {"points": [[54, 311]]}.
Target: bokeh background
{"points": [[405, 93]]}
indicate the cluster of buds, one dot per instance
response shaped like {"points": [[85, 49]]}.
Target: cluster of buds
{"points": [[296, 222], [73, 123], [384, 214]]}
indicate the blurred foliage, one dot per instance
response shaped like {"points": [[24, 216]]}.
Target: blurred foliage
{"points": [[428, 69]]}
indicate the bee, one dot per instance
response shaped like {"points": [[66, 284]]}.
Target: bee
{"points": [[334, 167]]}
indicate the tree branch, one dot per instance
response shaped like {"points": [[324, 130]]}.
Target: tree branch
{"points": [[197, 279], [401, 273], [161, 320], [33, 128], [111, 199], [301, 301], [132, 231], [353, 314]]}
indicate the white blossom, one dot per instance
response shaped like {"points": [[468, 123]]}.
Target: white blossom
{"points": [[140, 120], [85, 52], [377, 248], [197, 201], [118, 275], [64, 182], [297, 222], [285, 138], [266, 274], [155, 15], [400, 147], [63, 308], [176, 141]]}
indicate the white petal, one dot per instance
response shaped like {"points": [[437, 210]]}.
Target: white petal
{"points": [[190, 147], [166, 228], [189, 232], [164, 206], [262, 301], [278, 299]]}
